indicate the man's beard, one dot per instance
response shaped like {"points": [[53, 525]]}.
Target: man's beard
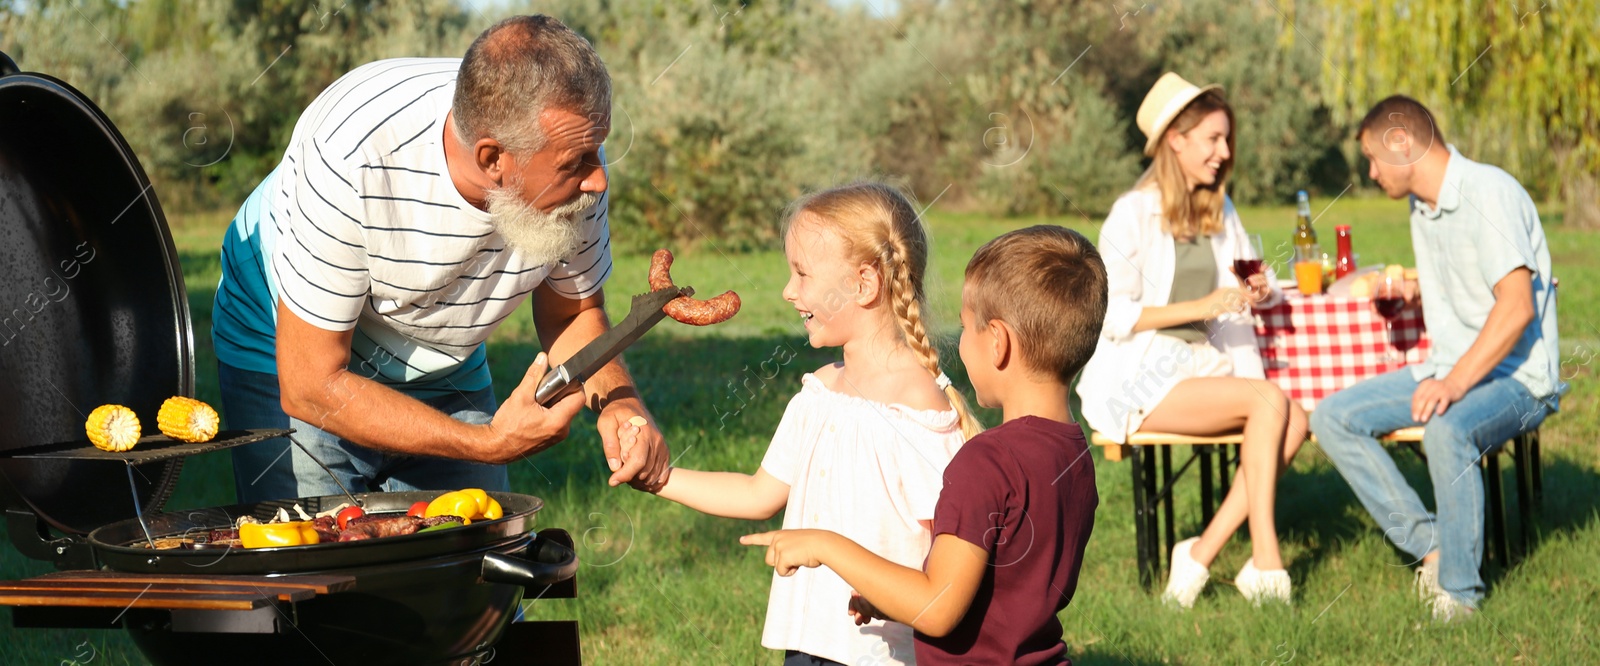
{"points": [[542, 238]]}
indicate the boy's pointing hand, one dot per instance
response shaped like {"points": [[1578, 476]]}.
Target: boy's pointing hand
{"points": [[788, 550]]}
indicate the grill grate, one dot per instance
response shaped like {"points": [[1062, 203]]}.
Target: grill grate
{"points": [[151, 448]]}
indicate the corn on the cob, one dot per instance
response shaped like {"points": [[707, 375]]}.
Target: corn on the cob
{"points": [[113, 428], [187, 420]]}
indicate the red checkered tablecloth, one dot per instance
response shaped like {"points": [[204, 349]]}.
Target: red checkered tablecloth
{"points": [[1312, 346]]}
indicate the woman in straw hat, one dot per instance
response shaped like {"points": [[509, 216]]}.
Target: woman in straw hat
{"points": [[1178, 350]]}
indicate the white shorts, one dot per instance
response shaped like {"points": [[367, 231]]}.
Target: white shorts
{"points": [[1171, 360]]}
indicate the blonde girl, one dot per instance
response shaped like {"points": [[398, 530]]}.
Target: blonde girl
{"points": [[862, 448]]}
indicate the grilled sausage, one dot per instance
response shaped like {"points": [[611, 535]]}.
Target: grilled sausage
{"points": [[369, 517], [686, 309], [327, 528], [660, 269], [704, 313], [373, 526], [379, 528]]}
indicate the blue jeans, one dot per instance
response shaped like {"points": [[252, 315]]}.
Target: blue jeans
{"points": [[1348, 424], [276, 469]]}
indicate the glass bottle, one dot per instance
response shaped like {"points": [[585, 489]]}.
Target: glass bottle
{"points": [[1304, 236], [1347, 261]]}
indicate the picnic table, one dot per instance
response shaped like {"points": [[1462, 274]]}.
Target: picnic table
{"points": [[1312, 346]]}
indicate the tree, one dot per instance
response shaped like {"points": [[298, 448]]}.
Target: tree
{"points": [[1286, 140], [1519, 81]]}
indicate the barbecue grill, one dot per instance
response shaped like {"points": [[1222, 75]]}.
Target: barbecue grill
{"points": [[96, 312]]}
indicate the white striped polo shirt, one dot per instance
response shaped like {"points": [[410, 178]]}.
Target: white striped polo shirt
{"points": [[361, 227]]}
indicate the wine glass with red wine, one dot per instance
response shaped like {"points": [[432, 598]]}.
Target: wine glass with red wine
{"points": [[1388, 300], [1247, 257]]}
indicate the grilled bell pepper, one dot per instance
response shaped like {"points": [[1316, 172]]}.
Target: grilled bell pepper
{"points": [[455, 503], [470, 504], [272, 535], [477, 495]]}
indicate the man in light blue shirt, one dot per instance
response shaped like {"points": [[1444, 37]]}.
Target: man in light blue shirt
{"points": [[1493, 373]]}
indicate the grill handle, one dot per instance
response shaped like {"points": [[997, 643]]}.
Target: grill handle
{"points": [[552, 563]]}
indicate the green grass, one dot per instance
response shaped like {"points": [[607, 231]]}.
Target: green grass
{"points": [[661, 584]]}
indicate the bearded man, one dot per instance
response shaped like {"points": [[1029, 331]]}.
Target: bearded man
{"points": [[420, 201]]}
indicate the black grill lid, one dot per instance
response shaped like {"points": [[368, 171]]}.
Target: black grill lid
{"points": [[92, 304]]}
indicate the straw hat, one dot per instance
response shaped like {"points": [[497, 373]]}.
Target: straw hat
{"points": [[1165, 101]]}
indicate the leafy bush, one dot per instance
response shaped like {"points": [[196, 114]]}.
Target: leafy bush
{"points": [[715, 128], [1286, 139], [207, 92], [1077, 164], [725, 112]]}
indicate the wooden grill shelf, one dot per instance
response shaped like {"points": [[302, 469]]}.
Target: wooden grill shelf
{"points": [[106, 589]]}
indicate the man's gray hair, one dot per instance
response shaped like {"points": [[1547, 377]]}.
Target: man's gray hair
{"points": [[518, 68]]}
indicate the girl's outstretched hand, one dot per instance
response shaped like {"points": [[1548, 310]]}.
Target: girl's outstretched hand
{"points": [[788, 550], [862, 611]]}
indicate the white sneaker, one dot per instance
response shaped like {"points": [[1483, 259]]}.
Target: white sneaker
{"points": [[1258, 586], [1446, 609], [1187, 577], [1427, 584]]}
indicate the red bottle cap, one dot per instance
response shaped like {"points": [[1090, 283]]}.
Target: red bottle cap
{"points": [[1342, 229]]}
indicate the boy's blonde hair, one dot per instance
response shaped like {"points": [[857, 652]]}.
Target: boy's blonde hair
{"points": [[1048, 284], [881, 228]]}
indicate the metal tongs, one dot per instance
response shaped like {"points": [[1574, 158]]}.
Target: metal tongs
{"points": [[643, 314]]}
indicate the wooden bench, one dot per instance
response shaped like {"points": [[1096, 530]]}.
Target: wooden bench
{"points": [[1153, 510]]}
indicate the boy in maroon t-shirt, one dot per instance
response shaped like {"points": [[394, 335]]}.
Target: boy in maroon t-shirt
{"points": [[1018, 501]]}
